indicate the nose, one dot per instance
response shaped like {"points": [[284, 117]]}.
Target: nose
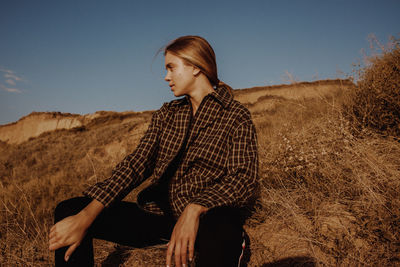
{"points": [[166, 78]]}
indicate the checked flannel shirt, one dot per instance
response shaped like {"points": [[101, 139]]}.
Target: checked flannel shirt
{"points": [[219, 165]]}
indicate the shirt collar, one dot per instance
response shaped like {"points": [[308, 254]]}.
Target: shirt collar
{"points": [[222, 95]]}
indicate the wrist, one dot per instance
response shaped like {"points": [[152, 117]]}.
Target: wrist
{"points": [[90, 212], [196, 209], [84, 219]]}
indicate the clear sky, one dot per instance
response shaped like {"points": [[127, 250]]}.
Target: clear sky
{"points": [[81, 56]]}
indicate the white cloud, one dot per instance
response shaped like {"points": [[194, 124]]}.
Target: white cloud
{"points": [[10, 82], [10, 90], [12, 76], [6, 70], [11, 79], [13, 90]]}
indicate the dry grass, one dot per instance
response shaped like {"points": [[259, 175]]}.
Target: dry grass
{"points": [[375, 102], [329, 196], [40, 172]]}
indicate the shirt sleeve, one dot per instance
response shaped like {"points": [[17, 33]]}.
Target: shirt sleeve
{"points": [[133, 169], [240, 185]]}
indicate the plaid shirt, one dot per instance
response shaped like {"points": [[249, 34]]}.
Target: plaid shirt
{"points": [[219, 165]]}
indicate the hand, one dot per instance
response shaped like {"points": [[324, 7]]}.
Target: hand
{"points": [[68, 232], [71, 230], [184, 235]]}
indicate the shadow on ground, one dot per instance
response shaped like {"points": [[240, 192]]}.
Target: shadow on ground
{"points": [[122, 253], [117, 257], [292, 261]]}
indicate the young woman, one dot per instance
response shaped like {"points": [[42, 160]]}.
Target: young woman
{"points": [[200, 152]]}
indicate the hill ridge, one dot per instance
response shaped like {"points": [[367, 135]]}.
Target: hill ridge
{"points": [[257, 99]]}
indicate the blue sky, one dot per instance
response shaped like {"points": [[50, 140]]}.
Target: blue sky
{"points": [[89, 55]]}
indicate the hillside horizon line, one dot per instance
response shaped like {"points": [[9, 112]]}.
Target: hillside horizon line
{"points": [[236, 91]]}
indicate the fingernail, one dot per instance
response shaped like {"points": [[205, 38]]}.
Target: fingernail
{"points": [[183, 265], [190, 259], [67, 258]]}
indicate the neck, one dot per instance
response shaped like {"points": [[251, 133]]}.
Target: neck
{"points": [[197, 96]]}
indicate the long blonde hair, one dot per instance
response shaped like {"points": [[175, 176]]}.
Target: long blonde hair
{"points": [[196, 51]]}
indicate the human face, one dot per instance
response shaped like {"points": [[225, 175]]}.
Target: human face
{"points": [[180, 76]]}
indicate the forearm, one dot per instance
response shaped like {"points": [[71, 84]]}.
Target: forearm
{"points": [[132, 170], [90, 212], [238, 191]]}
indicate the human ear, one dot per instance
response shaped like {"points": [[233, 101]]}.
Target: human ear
{"points": [[196, 71]]}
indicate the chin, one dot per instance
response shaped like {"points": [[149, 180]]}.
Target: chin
{"points": [[177, 94]]}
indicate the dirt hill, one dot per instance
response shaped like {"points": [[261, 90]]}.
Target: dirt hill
{"points": [[258, 99], [329, 194], [37, 123]]}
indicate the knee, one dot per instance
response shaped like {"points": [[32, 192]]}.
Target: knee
{"points": [[220, 237], [222, 218], [69, 207], [223, 223]]}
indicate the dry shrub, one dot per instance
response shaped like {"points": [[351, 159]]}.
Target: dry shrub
{"points": [[375, 102], [327, 195]]}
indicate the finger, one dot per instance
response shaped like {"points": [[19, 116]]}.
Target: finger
{"points": [[184, 249], [70, 250], [52, 241], [171, 246], [178, 254], [52, 229], [191, 250], [55, 245], [56, 238], [52, 234]]}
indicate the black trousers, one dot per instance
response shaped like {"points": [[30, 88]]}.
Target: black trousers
{"points": [[218, 242]]}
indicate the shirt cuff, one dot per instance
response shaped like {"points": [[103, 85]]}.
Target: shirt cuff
{"points": [[99, 194], [208, 203]]}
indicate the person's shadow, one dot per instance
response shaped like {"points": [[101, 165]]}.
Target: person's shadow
{"points": [[117, 257], [292, 261], [121, 254]]}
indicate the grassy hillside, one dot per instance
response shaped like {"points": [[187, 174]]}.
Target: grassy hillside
{"points": [[329, 191]]}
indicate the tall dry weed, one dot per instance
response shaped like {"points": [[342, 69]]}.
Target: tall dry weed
{"points": [[328, 195], [375, 102]]}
